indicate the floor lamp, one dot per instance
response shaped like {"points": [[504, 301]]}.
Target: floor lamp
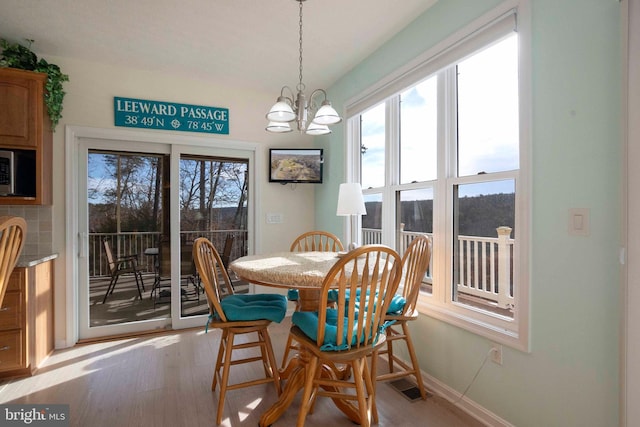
{"points": [[351, 204]]}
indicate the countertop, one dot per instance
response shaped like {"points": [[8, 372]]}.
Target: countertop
{"points": [[31, 260]]}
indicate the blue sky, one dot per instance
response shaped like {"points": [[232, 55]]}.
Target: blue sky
{"points": [[488, 130]]}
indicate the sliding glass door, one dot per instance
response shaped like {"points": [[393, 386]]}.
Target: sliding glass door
{"points": [[213, 204], [141, 207]]}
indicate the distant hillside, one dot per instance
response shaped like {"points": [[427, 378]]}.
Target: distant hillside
{"points": [[478, 216], [103, 219]]}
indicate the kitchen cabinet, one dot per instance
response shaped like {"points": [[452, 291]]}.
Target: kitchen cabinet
{"points": [[26, 320], [25, 131]]}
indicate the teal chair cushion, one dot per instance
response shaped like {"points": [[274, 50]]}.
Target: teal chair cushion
{"points": [[293, 295], [239, 307], [395, 306], [307, 321]]}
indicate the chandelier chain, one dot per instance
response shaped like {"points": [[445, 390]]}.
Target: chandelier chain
{"points": [[300, 84], [309, 114]]}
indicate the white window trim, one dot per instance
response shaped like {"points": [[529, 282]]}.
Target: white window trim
{"points": [[511, 332]]}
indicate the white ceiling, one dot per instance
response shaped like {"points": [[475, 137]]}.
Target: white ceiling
{"points": [[253, 43]]}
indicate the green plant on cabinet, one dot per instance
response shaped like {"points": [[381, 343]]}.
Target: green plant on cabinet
{"points": [[15, 55]]}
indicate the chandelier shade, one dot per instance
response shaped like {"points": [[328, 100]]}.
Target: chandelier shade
{"points": [[310, 117], [326, 115], [281, 111], [317, 129], [278, 127]]}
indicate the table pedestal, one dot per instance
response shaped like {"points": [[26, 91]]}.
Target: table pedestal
{"points": [[295, 373], [304, 271]]}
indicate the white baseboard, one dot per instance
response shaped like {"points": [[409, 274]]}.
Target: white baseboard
{"points": [[465, 404]]}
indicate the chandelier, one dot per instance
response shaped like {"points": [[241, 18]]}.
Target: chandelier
{"points": [[286, 110]]}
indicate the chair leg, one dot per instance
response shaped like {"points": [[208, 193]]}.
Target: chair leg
{"points": [[390, 348], [221, 351], [314, 390], [225, 376], [111, 287], [371, 385], [363, 403], [139, 273], [287, 348], [272, 361], [305, 403], [266, 362], [135, 275], [414, 360]]}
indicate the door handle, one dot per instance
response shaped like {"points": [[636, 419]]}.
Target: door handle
{"points": [[83, 237]]}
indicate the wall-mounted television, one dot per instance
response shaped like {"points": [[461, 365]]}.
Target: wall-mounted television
{"points": [[296, 165]]}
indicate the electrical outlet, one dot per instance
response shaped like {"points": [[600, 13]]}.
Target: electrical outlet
{"points": [[496, 354]]}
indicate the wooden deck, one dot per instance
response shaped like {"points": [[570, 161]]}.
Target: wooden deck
{"points": [[124, 305]]}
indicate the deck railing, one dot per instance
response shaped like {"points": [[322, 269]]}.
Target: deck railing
{"points": [[138, 242], [485, 267], [485, 264]]}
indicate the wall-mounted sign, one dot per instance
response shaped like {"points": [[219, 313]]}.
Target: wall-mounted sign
{"points": [[141, 113]]}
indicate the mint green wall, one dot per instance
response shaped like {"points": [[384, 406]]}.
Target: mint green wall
{"points": [[570, 377]]}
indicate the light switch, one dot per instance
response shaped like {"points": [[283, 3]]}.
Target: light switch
{"points": [[579, 222], [274, 218]]}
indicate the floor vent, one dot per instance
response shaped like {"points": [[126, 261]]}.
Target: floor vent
{"points": [[408, 389]]}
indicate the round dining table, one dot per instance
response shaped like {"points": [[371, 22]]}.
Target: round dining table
{"points": [[304, 271]]}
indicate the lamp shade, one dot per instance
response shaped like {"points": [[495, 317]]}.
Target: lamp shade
{"points": [[350, 200], [279, 127], [316, 129], [326, 115], [281, 111]]}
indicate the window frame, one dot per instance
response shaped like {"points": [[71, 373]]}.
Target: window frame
{"points": [[513, 332]]}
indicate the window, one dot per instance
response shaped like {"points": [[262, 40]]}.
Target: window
{"points": [[372, 147], [441, 156]]}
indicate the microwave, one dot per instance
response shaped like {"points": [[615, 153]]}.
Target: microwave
{"points": [[17, 173]]}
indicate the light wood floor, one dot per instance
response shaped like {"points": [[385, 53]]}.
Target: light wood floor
{"points": [[165, 380]]}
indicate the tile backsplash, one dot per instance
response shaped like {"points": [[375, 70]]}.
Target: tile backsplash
{"points": [[39, 227]]}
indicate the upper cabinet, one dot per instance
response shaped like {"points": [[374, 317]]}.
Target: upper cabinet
{"points": [[26, 139]]}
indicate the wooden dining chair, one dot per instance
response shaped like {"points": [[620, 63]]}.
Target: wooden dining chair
{"points": [[126, 264], [402, 310], [311, 241], [12, 236], [348, 333], [237, 314], [318, 240]]}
